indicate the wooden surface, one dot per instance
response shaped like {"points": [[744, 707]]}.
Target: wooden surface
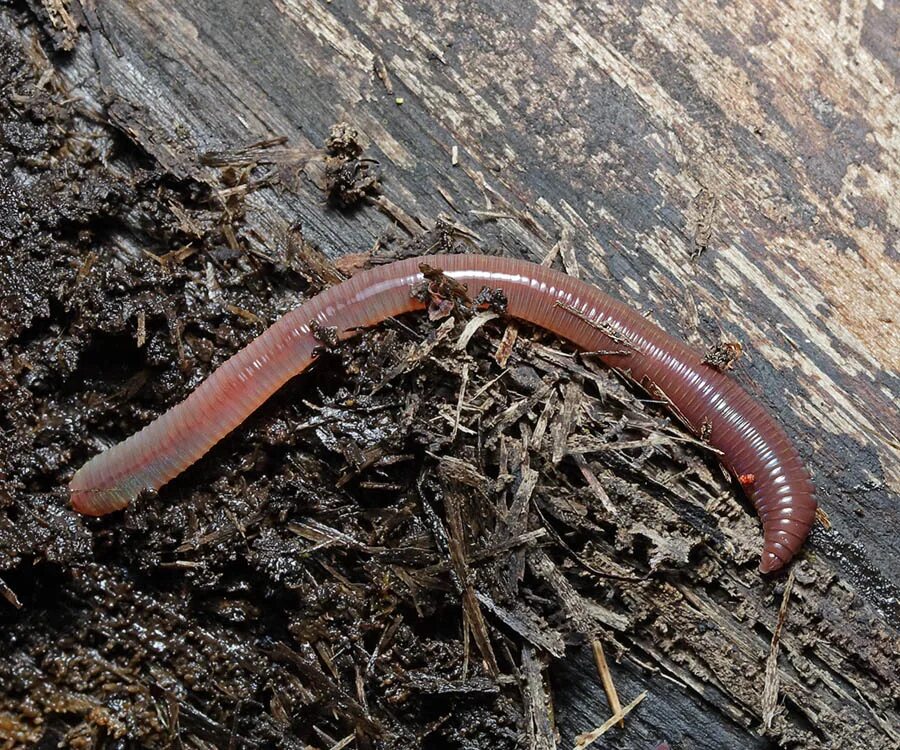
{"points": [[768, 134], [731, 169]]}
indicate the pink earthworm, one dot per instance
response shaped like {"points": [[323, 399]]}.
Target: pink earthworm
{"points": [[751, 444]]}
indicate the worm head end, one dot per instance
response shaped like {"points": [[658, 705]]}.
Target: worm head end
{"points": [[770, 563], [96, 502]]}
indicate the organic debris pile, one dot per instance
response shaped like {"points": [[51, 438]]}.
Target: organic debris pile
{"points": [[394, 548]]}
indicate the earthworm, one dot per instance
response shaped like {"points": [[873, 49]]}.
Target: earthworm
{"points": [[751, 444]]}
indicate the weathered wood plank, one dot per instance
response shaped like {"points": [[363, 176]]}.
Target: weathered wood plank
{"points": [[764, 132]]}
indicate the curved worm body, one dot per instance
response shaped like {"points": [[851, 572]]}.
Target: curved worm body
{"points": [[753, 446]]}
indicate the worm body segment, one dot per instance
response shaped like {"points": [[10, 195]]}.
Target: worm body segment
{"points": [[753, 446]]}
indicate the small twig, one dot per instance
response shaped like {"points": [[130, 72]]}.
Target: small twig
{"points": [[473, 617], [493, 214], [180, 565], [528, 539], [606, 678], [487, 385], [588, 738], [250, 317]]}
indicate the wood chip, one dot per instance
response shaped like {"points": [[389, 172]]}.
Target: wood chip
{"points": [[594, 484], [515, 412], [586, 615], [471, 608], [551, 255], [567, 253], [539, 712], [9, 595], [472, 326], [463, 472], [573, 395], [396, 213], [381, 71], [460, 400], [343, 743], [250, 317], [141, 336], [516, 521], [527, 624], [540, 427], [770, 687], [507, 343]]}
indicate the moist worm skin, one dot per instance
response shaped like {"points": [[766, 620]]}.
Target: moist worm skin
{"points": [[753, 446]]}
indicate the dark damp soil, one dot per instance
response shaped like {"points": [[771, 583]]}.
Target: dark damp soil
{"points": [[395, 549]]}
